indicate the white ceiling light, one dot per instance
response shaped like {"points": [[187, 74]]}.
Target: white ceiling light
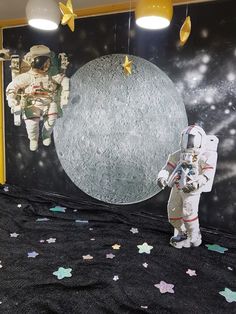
{"points": [[43, 14]]}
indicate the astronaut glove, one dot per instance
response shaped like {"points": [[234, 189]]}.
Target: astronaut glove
{"points": [[190, 187], [162, 183], [12, 103]]}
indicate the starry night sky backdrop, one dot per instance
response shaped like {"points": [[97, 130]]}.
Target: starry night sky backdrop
{"points": [[204, 72]]}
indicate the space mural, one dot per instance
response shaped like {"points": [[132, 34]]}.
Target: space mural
{"points": [[117, 131]]}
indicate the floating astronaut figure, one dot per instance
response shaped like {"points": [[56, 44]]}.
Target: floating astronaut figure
{"points": [[37, 95], [189, 172]]}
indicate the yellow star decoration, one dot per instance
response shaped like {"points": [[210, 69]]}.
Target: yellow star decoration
{"points": [[68, 15], [185, 31], [127, 66], [116, 247]]}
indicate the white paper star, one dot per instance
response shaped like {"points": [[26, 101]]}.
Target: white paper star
{"points": [[145, 265], [115, 278], [92, 239], [87, 257], [51, 240], [19, 205], [14, 235], [134, 230], [191, 272]]}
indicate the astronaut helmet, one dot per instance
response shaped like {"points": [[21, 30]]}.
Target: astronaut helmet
{"points": [[193, 140], [39, 57]]}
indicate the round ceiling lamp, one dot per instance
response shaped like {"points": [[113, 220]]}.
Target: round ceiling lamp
{"points": [[43, 14], [154, 14]]}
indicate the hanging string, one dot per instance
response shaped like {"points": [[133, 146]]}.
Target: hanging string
{"points": [[129, 24], [186, 10]]}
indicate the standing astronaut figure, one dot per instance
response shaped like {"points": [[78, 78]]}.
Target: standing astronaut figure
{"points": [[37, 95], [189, 172]]}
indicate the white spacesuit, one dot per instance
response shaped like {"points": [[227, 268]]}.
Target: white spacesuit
{"points": [[189, 172], [37, 95]]}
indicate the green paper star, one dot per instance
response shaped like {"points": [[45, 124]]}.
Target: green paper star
{"points": [[58, 209], [229, 295], [216, 248], [63, 273], [145, 248]]}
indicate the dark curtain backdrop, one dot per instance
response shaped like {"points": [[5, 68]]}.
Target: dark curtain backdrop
{"points": [[204, 72]]}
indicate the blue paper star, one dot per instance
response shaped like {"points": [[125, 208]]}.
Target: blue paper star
{"points": [[216, 248], [58, 209], [229, 295], [63, 273], [33, 254]]}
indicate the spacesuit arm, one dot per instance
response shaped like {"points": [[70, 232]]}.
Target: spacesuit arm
{"points": [[64, 82], [207, 170], [12, 89], [167, 170]]}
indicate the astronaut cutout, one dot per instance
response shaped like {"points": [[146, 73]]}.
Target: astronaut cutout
{"points": [[189, 172], [37, 95]]}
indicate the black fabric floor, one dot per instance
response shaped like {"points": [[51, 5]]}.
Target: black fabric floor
{"points": [[44, 236]]}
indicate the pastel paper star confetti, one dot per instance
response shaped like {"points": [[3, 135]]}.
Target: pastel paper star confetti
{"points": [[144, 307], [33, 254], [6, 189], [68, 15], [134, 230], [51, 240], [127, 66], [42, 241], [75, 210], [42, 219], [14, 235], [145, 248], [62, 273], [115, 278], [87, 257], [191, 272], [216, 248], [58, 209], [116, 246], [19, 205], [90, 229], [111, 256], [81, 221], [145, 265], [229, 295], [92, 239], [230, 268], [165, 287]]}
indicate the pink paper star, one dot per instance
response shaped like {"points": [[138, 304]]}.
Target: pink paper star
{"points": [[87, 257], [165, 287], [191, 272]]}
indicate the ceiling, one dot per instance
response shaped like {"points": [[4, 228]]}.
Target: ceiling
{"points": [[15, 9]]}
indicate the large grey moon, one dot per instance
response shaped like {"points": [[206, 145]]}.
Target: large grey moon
{"points": [[117, 130]]}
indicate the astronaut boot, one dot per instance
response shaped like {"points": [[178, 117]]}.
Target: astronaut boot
{"points": [[33, 145], [47, 141], [180, 241], [196, 239]]}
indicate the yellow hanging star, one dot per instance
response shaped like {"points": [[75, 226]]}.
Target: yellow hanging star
{"points": [[185, 31], [127, 66], [68, 15]]}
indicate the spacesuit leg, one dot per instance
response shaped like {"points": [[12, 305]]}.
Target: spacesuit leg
{"points": [[175, 216], [49, 121], [190, 218], [32, 128]]}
